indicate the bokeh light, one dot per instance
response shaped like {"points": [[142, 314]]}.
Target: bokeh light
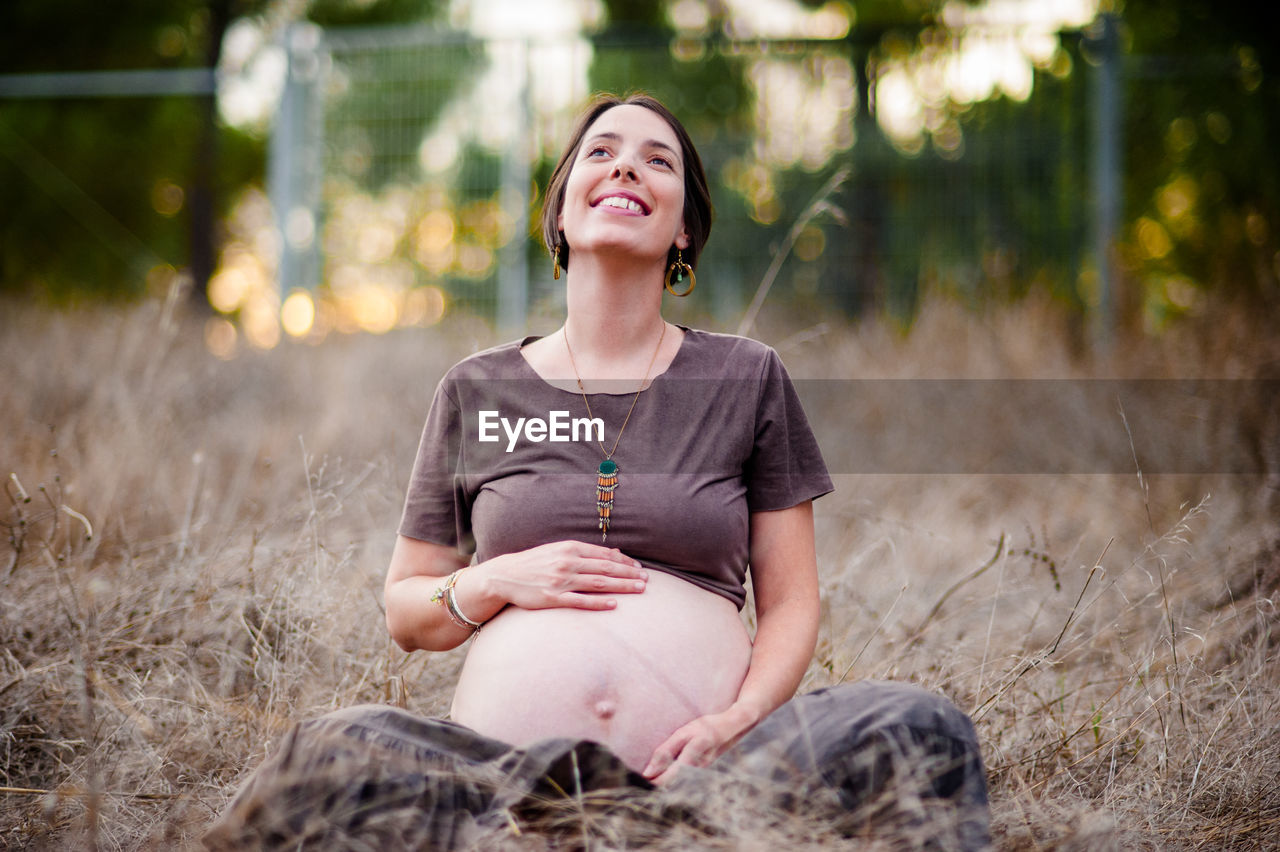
{"points": [[978, 52], [298, 314], [423, 306], [804, 109], [259, 319], [220, 337], [380, 248], [780, 19], [167, 198], [228, 288], [1153, 238]]}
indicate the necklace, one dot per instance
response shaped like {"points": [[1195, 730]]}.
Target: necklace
{"points": [[607, 473]]}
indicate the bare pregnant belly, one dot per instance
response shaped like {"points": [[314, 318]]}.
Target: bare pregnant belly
{"points": [[626, 677]]}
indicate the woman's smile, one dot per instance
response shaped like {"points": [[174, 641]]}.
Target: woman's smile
{"points": [[624, 202]]}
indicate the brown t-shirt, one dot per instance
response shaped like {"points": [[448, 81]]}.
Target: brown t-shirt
{"points": [[720, 434]]}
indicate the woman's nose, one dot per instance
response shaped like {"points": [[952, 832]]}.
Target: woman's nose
{"points": [[624, 169]]}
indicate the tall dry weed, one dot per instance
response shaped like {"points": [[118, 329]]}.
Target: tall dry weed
{"points": [[195, 551]]}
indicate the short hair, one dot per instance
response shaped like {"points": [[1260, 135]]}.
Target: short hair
{"points": [[698, 212]]}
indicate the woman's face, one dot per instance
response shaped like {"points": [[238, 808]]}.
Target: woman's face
{"points": [[625, 190]]}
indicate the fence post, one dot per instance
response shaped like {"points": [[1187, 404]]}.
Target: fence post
{"points": [[513, 270], [293, 166], [1106, 174]]}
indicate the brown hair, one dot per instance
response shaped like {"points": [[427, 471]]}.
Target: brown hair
{"points": [[697, 198]]}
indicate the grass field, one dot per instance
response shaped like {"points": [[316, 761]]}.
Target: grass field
{"points": [[195, 548]]}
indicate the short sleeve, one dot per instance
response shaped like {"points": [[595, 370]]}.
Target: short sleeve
{"points": [[436, 507], [786, 466]]}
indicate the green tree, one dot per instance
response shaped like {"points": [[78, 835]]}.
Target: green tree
{"points": [[103, 190], [1202, 126]]}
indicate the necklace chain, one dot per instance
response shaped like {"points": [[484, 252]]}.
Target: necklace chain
{"points": [[582, 390]]}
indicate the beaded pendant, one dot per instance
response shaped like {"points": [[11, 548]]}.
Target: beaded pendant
{"points": [[606, 484], [607, 473]]}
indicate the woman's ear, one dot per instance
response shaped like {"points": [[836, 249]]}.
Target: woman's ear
{"points": [[682, 238]]}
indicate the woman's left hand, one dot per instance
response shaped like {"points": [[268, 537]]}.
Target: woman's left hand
{"points": [[697, 743]]}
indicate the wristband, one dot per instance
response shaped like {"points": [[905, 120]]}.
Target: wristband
{"points": [[445, 596]]}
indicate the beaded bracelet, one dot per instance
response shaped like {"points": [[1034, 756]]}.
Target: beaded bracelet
{"points": [[445, 596]]}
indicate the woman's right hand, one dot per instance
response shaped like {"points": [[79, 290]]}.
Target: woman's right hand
{"points": [[560, 574]]}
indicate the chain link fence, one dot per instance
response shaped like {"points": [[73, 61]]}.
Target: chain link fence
{"points": [[408, 161]]}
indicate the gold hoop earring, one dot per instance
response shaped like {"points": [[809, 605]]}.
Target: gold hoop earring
{"points": [[682, 270], [555, 254]]}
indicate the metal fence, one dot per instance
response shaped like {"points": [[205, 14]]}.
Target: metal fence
{"points": [[408, 160], [389, 167]]}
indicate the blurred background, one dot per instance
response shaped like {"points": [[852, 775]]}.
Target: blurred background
{"points": [[297, 169], [201, 504]]}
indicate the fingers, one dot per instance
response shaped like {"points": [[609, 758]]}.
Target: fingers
{"points": [[591, 591], [594, 569], [602, 584], [607, 560], [690, 755], [659, 763], [592, 602], [663, 779], [568, 574], [695, 744], [665, 757]]}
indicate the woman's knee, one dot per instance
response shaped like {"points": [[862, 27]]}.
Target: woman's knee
{"points": [[868, 728], [875, 704], [877, 741]]}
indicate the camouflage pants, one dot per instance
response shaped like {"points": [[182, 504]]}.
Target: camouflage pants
{"points": [[865, 757]]}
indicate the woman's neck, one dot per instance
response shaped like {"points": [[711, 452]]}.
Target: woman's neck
{"points": [[614, 313]]}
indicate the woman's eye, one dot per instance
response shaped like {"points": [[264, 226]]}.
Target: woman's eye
{"points": [[594, 151], [662, 161]]}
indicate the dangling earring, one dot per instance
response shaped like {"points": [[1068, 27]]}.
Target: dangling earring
{"points": [[682, 270], [555, 254]]}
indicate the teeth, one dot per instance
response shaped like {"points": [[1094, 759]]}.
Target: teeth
{"points": [[622, 203]]}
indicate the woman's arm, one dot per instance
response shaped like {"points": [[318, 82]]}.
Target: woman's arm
{"points": [[561, 574], [784, 581], [417, 570]]}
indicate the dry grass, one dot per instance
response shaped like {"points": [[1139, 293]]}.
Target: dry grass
{"points": [[1113, 635]]}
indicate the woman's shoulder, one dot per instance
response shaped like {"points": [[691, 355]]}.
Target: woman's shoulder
{"points": [[717, 353], [502, 361]]}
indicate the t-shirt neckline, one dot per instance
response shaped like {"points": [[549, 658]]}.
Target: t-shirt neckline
{"points": [[675, 362]]}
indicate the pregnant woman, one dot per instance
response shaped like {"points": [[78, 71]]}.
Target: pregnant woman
{"points": [[585, 508]]}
